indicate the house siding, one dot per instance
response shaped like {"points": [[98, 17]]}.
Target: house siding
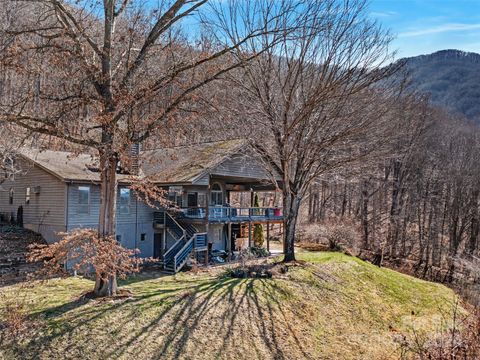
{"points": [[56, 208], [242, 165], [46, 211], [216, 236], [129, 227]]}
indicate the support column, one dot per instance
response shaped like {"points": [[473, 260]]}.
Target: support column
{"points": [[268, 236], [249, 234], [207, 222], [229, 241]]}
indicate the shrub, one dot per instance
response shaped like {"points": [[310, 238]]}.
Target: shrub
{"points": [[258, 235], [259, 252], [459, 339], [336, 235], [339, 234], [85, 251]]}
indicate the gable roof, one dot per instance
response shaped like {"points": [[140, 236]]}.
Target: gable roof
{"points": [[62, 164], [185, 164], [182, 164]]}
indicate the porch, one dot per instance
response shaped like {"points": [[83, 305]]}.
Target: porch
{"points": [[225, 214]]}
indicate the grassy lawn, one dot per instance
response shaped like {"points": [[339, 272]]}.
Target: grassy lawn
{"points": [[334, 307]]}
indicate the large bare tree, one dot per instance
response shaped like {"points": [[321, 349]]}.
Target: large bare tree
{"points": [[315, 99], [109, 74]]}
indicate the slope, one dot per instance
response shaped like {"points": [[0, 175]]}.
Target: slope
{"points": [[332, 307], [451, 78]]}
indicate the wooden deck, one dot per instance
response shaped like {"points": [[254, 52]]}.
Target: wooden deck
{"points": [[224, 214]]}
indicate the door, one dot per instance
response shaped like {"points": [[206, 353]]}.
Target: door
{"points": [[192, 199], [158, 246]]}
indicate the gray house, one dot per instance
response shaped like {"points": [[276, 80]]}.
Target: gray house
{"points": [[59, 191]]}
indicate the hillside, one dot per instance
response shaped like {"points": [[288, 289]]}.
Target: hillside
{"points": [[334, 306], [451, 78]]}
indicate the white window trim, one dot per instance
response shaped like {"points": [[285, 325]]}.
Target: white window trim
{"points": [[89, 200], [216, 192], [28, 195], [129, 204]]}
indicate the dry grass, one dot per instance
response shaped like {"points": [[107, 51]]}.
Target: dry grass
{"points": [[333, 307]]}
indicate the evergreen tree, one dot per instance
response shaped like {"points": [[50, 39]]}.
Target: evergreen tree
{"points": [[258, 235]]}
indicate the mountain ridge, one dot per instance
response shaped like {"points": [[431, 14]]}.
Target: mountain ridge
{"points": [[451, 78]]}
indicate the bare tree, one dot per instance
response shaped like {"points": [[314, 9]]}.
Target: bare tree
{"points": [[309, 97], [110, 74]]}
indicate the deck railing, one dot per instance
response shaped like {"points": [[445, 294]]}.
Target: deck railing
{"points": [[225, 213], [200, 240]]}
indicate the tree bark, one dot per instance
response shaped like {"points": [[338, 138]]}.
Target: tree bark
{"points": [[107, 285], [291, 206], [364, 212]]}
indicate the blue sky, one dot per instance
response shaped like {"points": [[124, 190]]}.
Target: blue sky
{"points": [[426, 26]]}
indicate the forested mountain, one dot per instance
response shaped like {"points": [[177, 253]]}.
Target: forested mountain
{"points": [[451, 78]]}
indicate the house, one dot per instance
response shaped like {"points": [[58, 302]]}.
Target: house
{"points": [[59, 191]]}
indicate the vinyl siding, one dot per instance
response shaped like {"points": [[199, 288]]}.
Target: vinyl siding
{"points": [[130, 233], [216, 236], [242, 165], [138, 210], [46, 211]]}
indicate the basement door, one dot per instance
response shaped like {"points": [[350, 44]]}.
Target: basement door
{"points": [[158, 245]]}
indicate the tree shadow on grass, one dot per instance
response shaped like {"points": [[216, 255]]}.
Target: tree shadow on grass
{"points": [[173, 320]]}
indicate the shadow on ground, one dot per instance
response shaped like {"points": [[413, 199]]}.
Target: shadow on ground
{"points": [[169, 319]]}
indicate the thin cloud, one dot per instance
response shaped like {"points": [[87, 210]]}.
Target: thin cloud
{"points": [[441, 29], [383, 13]]}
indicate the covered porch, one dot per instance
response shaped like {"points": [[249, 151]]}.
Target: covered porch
{"points": [[223, 214]]}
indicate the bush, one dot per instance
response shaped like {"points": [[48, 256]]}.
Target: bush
{"points": [[339, 234], [258, 235], [459, 339], [259, 252], [85, 251], [335, 235]]}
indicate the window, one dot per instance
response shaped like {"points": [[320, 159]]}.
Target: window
{"points": [[175, 198], [119, 238], [143, 237], [124, 205], [192, 199], [202, 199], [216, 194], [27, 195], [83, 200], [10, 196]]}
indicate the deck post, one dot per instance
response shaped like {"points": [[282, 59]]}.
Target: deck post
{"points": [[164, 233], [268, 236], [229, 241], [207, 220], [249, 234]]}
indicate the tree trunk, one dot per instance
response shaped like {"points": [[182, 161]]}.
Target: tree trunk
{"points": [[291, 206], [107, 285], [364, 213]]}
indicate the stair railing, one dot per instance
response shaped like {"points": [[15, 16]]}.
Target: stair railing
{"points": [[182, 254], [174, 249], [200, 240], [171, 218]]}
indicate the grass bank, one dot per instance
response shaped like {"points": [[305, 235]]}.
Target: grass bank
{"points": [[333, 307]]}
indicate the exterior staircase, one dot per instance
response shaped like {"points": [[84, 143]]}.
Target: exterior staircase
{"points": [[188, 239]]}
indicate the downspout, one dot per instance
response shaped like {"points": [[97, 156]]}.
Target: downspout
{"points": [[136, 224], [66, 219], [66, 207]]}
